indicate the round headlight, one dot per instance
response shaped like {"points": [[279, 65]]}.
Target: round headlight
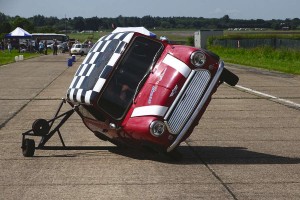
{"points": [[157, 128], [198, 59]]}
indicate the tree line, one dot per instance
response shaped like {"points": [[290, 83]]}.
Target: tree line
{"points": [[42, 24]]}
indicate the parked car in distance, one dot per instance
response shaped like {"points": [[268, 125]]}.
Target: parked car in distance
{"points": [[63, 47], [79, 49], [49, 45]]}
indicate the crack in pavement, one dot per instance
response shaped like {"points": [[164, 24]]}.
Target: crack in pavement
{"points": [[29, 100]]}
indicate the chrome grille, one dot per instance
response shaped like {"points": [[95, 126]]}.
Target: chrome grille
{"points": [[186, 102]]}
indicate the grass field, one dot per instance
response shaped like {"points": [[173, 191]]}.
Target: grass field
{"points": [[171, 35], [6, 57], [283, 60]]}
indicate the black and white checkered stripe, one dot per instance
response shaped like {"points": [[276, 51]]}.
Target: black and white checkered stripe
{"points": [[94, 70]]}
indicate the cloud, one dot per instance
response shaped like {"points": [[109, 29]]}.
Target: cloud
{"points": [[217, 11]]}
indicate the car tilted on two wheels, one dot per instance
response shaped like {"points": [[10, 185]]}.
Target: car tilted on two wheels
{"points": [[135, 90]]}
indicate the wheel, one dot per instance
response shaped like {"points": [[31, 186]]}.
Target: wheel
{"points": [[40, 127], [229, 77], [28, 148], [82, 53]]}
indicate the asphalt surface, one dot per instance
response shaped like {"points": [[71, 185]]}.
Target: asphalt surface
{"points": [[247, 144]]}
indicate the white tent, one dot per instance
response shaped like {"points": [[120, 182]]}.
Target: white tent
{"points": [[18, 33], [141, 30]]}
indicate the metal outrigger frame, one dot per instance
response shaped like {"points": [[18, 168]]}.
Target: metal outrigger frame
{"points": [[45, 129]]}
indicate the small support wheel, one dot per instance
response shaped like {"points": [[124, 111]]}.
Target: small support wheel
{"points": [[28, 148], [40, 127]]}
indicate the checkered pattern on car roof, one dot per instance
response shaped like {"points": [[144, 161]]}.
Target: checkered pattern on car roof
{"points": [[96, 67]]}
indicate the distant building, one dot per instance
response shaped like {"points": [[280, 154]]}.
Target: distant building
{"points": [[201, 37]]}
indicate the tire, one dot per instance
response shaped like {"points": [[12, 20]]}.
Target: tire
{"points": [[82, 53], [40, 127], [229, 77], [28, 148]]}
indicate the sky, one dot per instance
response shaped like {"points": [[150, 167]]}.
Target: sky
{"points": [[236, 9]]}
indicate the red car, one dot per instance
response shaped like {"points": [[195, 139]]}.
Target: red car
{"points": [[135, 90]]}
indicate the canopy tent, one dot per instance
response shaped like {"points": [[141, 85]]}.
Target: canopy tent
{"points": [[141, 30], [18, 33]]}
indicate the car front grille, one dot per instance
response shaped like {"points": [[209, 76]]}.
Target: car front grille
{"points": [[187, 100]]}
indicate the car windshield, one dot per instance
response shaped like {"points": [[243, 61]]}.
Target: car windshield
{"points": [[120, 90]]}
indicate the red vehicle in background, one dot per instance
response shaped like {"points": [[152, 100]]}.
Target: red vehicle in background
{"points": [[135, 90]]}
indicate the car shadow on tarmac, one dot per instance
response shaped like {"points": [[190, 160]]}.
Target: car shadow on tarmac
{"points": [[238, 155], [182, 155]]}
